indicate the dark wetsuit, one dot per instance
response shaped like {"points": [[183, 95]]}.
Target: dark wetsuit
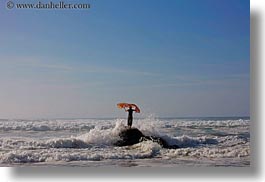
{"points": [[130, 116]]}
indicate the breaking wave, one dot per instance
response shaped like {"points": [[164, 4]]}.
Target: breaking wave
{"points": [[142, 150], [95, 143]]}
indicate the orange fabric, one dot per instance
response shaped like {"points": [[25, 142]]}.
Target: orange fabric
{"points": [[124, 105]]}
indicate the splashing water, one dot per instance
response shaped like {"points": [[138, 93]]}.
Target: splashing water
{"points": [[203, 142]]}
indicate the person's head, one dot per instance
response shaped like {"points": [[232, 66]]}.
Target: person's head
{"points": [[130, 107]]}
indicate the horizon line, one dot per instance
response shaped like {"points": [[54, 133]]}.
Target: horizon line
{"points": [[162, 117]]}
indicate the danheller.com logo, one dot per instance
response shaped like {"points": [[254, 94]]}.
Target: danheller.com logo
{"points": [[49, 5]]}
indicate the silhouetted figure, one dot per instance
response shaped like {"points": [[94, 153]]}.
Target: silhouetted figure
{"points": [[130, 116]]}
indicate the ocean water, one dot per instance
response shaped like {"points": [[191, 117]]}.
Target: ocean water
{"points": [[89, 142]]}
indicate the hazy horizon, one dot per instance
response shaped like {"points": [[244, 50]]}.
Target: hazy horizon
{"points": [[172, 59], [136, 117]]}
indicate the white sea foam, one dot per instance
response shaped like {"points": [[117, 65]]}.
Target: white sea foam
{"points": [[208, 152], [139, 151], [25, 141], [212, 123], [51, 125], [87, 124], [102, 136]]}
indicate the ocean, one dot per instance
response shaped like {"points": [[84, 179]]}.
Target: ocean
{"points": [[209, 141]]}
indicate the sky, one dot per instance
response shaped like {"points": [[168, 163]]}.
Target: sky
{"points": [[173, 58]]}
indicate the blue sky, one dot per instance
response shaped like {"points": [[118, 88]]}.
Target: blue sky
{"points": [[172, 58]]}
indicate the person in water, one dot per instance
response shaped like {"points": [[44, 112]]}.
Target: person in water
{"points": [[130, 116]]}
